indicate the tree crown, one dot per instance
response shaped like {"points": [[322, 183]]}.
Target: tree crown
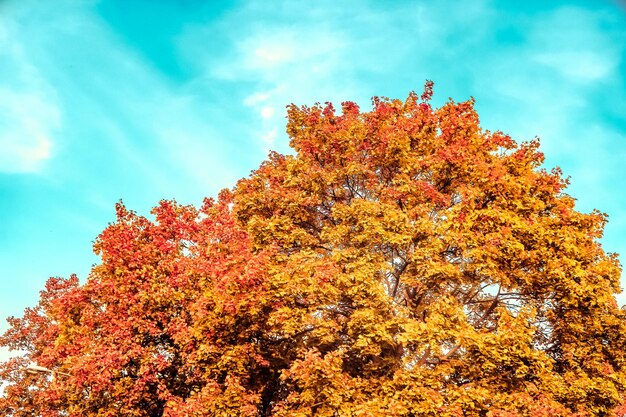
{"points": [[402, 262]]}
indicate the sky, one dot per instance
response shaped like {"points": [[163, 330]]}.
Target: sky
{"points": [[131, 100]]}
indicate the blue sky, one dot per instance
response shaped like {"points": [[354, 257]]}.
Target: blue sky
{"points": [[144, 100]]}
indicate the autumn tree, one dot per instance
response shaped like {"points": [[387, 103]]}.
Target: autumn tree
{"points": [[165, 325], [402, 262]]}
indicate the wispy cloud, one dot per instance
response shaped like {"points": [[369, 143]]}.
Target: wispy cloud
{"points": [[287, 65], [573, 42], [306, 53], [120, 104], [26, 135], [29, 112], [281, 60]]}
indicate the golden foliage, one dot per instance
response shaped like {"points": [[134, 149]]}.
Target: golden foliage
{"points": [[403, 262]]}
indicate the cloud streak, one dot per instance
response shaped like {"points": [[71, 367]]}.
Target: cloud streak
{"points": [[26, 137], [29, 112]]}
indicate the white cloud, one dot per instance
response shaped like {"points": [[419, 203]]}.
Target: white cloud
{"points": [[259, 102], [274, 51], [29, 114], [267, 112], [573, 42], [323, 52], [272, 55], [26, 122], [287, 65], [545, 85], [257, 97], [119, 102], [579, 65], [270, 136]]}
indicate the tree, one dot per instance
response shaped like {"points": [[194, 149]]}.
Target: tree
{"points": [[403, 262]]}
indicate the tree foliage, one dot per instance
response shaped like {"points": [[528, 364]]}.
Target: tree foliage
{"points": [[402, 262]]}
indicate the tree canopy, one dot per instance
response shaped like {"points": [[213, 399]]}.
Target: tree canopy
{"points": [[401, 262]]}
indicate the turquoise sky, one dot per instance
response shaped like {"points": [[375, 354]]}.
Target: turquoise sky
{"points": [[144, 100]]}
